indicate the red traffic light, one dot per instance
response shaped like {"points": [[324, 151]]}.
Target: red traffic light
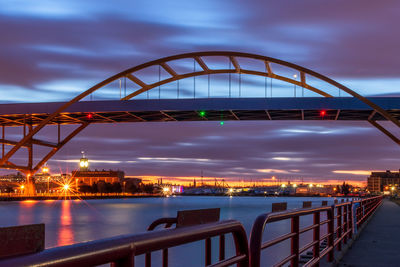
{"points": [[89, 116], [322, 113]]}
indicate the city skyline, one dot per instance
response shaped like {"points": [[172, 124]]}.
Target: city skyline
{"points": [[54, 53]]}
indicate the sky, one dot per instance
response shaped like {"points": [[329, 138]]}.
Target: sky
{"points": [[54, 50]]}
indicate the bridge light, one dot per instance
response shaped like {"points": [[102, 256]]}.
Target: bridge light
{"points": [[89, 116], [202, 113], [322, 113], [45, 169]]}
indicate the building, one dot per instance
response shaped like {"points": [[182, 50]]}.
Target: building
{"points": [[379, 182], [13, 178], [88, 177], [321, 190], [91, 177]]}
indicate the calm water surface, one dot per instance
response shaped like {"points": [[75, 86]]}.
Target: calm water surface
{"points": [[70, 221]]}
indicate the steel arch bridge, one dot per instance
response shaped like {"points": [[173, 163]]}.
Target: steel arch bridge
{"points": [[34, 117]]}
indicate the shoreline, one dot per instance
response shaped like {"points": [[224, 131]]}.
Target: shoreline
{"points": [[79, 197], [71, 197]]}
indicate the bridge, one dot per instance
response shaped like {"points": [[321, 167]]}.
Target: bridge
{"points": [[190, 104]]}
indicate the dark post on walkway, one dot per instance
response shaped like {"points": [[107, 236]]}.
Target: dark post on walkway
{"points": [[20, 240], [279, 206]]}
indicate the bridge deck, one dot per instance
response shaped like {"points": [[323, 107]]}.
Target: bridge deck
{"points": [[188, 110], [378, 243]]}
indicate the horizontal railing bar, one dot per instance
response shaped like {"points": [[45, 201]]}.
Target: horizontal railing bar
{"points": [[325, 251], [324, 222], [324, 236], [273, 217], [113, 249], [277, 240], [153, 241], [309, 245], [308, 228], [230, 261], [343, 204], [285, 260], [168, 221]]}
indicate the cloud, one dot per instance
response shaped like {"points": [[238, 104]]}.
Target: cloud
{"points": [[273, 171], [353, 172], [288, 159]]}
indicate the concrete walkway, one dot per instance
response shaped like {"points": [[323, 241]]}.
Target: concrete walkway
{"points": [[379, 242]]}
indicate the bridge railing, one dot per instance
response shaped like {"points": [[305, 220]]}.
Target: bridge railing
{"points": [[187, 218], [122, 250], [339, 220], [261, 224], [364, 208]]}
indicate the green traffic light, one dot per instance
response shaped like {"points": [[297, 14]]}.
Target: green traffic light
{"points": [[221, 123], [202, 113]]}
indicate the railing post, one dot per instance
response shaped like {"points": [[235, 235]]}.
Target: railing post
{"points": [[208, 251], [165, 257], [221, 247], [331, 226], [339, 227], [351, 220], [125, 262], [295, 240], [316, 236], [148, 260], [345, 223]]}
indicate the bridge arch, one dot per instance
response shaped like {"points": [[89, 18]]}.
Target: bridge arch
{"points": [[197, 57]]}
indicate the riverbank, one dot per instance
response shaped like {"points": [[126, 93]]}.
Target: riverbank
{"points": [[73, 197]]}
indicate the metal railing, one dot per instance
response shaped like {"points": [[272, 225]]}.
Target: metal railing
{"points": [[331, 227], [365, 208], [183, 219], [339, 219], [256, 244], [121, 250]]}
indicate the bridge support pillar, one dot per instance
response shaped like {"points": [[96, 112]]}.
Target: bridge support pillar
{"points": [[30, 188]]}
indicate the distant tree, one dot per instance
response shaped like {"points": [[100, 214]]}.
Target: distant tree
{"points": [[94, 188], [116, 187], [101, 187], [147, 188], [338, 189], [345, 189], [83, 188], [131, 187]]}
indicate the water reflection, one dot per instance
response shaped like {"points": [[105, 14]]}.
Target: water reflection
{"points": [[65, 234], [26, 213]]}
